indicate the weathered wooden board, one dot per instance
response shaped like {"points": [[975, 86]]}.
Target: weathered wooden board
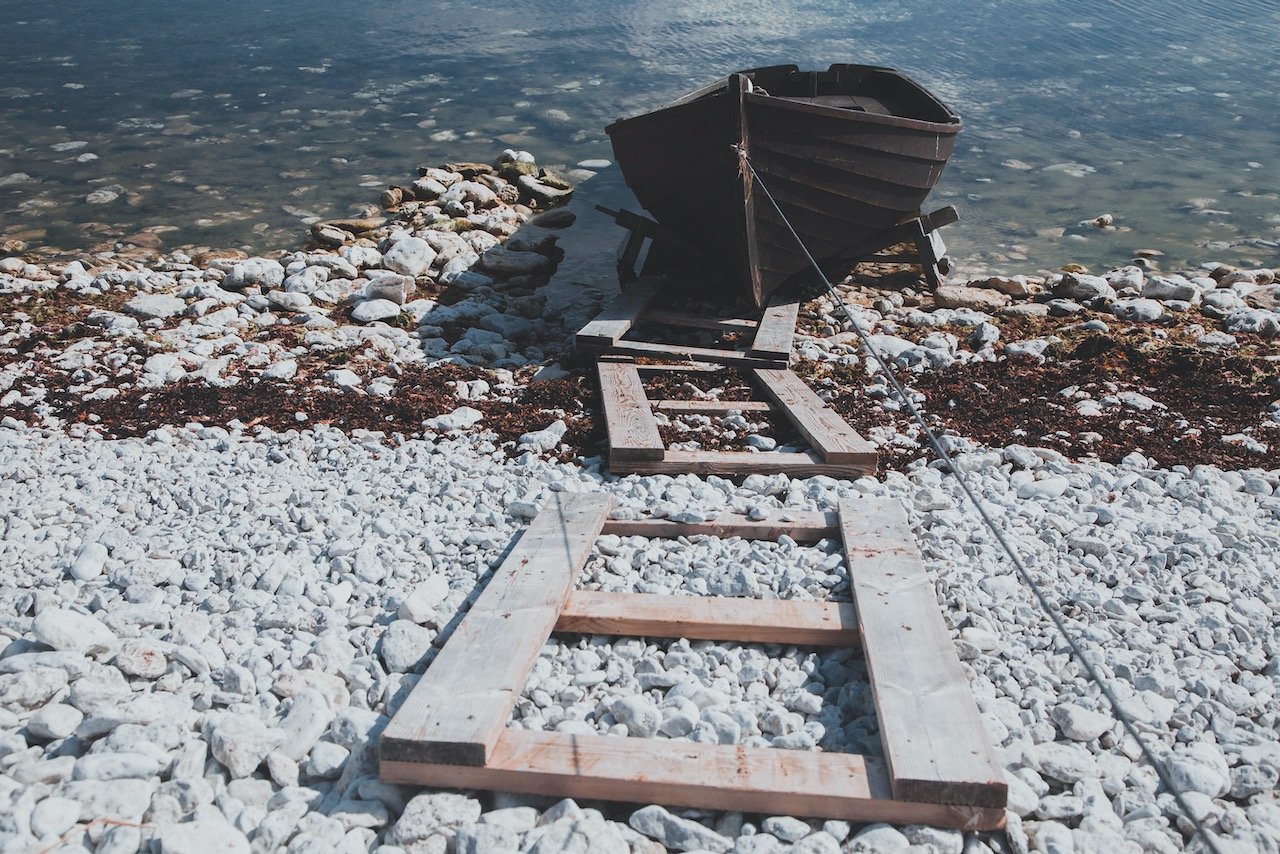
{"points": [[828, 433], [460, 707], [803, 526], [697, 321], [934, 742], [660, 350], [633, 432], [652, 368], [707, 776], [710, 618], [777, 329], [618, 316], [712, 407], [733, 463]]}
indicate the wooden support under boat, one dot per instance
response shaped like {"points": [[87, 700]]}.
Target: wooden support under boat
{"points": [[771, 334]]}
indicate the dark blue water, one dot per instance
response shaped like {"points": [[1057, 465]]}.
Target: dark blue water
{"points": [[232, 124]]}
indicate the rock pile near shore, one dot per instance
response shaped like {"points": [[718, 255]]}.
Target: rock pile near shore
{"points": [[451, 277]]}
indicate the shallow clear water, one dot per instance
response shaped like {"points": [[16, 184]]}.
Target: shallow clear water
{"points": [[228, 123]]}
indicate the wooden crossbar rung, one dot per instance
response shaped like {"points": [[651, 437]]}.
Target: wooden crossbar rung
{"points": [[934, 741], [803, 526], [697, 321], [633, 431], [660, 350], [734, 463], [828, 433], [710, 618], [712, 407], [617, 317], [708, 776], [460, 707], [687, 367]]}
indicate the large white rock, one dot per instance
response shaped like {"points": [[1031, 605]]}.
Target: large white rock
{"points": [[30, 689], [1078, 286], [54, 817], [1200, 767], [240, 742], [459, 419], [504, 262], [289, 300], [1080, 724], [72, 631], [155, 306], [89, 562], [420, 605], [410, 256], [261, 272], [57, 720], [404, 644], [1049, 487], [682, 834], [431, 814], [638, 714], [143, 658], [375, 309], [202, 836], [1138, 309], [308, 718]]}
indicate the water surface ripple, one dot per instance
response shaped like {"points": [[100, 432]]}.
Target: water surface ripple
{"points": [[231, 123]]}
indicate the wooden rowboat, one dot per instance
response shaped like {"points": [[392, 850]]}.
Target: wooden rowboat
{"points": [[848, 153]]}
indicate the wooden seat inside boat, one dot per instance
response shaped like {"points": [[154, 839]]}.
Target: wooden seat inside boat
{"points": [[860, 103]]}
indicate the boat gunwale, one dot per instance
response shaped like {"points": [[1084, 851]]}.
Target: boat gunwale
{"points": [[940, 128], [721, 87]]}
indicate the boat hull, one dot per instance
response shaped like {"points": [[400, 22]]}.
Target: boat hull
{"points": [[831, 148]]}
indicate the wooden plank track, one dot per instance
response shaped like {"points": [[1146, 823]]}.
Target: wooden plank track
{"points": [[828, 433], [633, 431], [710, 618], [934, 741], [460, 707], [708, 776], [618, 316], [734, 463]]}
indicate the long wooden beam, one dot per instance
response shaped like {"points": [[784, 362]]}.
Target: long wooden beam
{"points": [[934, 741], [710, 618], [721, 777], [460, 707]]}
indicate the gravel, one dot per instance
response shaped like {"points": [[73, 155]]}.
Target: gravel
{"points": [[292, 585]]}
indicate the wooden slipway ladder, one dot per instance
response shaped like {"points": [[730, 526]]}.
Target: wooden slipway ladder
{"points": [[938, 765]]}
